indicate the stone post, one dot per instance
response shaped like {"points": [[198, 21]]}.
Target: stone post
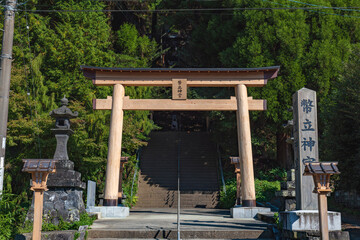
{"points": [[91, 192]]}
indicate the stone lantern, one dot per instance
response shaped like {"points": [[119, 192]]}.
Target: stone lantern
{"points": [[62, 132], [236, 161], [64, 198]]}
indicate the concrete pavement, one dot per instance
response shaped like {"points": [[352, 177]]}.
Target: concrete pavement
{"points": [[195, 224]]}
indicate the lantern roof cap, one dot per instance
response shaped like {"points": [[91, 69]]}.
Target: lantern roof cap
{"points": [[312, 168], [39, 165], [63, 111]]}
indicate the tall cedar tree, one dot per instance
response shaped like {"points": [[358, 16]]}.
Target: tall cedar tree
{"points": [[311, 46], [343, 125], [51, 55]]}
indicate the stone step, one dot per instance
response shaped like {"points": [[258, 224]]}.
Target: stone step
{"points": [[183, 198], [184, 185], [159, 194], [161, 223], [183, 169], [201, 179], [162, 195], [173, 182], [172, 234], [173, 204], [187, 200], [193, 198], [191, 172], [198, 170], [182, 239], [165, 189]]}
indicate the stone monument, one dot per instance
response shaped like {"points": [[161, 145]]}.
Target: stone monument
{"points": [[64, 198], [306, 146], [305, 130]]}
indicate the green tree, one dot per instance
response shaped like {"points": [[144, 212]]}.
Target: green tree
{"points": [[311, 47], [343, 125], [59, 43]]}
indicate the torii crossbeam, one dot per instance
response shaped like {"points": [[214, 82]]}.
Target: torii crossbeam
{"points": [[179, 79]]}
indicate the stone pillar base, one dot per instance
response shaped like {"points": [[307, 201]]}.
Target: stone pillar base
{"points": [[313, 235], [110, 212], [308, 220], [60, 203], [247, 212]]}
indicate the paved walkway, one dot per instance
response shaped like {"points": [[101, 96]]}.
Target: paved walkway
{"points": [[166, 218], [205, 223]]}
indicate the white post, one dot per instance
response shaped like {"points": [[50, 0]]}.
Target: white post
{"points": [[5, 75]]}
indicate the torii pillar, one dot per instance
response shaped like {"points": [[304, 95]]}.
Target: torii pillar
{"points": [[244, 145], [114, 151]]}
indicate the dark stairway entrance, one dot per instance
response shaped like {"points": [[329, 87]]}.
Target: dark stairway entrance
{"points": [[198, 171]]}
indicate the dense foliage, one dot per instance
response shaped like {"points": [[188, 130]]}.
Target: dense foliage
{"points": [[53, 49], [12, 215], [343, 125], [48, 51], [311, 46]]}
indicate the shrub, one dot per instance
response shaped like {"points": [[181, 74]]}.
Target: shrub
{"points": [[12, 214], [228, 200], [265, 191], [85, 219], [275, 174]]}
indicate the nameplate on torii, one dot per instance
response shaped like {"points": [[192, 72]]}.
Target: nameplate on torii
{"points": [[179, 89]]}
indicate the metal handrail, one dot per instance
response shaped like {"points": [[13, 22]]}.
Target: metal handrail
{"points": [[136, 170], [220, 167], [178, 190]]}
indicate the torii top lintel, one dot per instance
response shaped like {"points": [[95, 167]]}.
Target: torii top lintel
{"points": [[196, 77]]}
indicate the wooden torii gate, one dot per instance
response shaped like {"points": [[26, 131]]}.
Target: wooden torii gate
{"points": [[179, 79]]}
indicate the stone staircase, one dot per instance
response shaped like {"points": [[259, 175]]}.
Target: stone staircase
{"points": [[198, 171]]}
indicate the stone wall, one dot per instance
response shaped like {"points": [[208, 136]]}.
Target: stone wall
{"points": [[349, 199]]}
